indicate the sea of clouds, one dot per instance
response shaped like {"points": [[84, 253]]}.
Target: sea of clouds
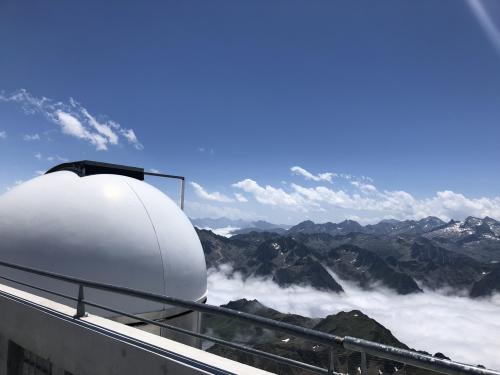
{"points": [[464, 329], [225, 231]]}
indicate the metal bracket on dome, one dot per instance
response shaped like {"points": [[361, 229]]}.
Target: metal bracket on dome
{"points": [[88, 168], [181, 178]]}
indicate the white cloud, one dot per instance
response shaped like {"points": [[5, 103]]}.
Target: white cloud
{"points": [[449, 204], [74, 120], [322, 194], [329, 176], [3, 134], [430, 321], [103, 129], [50, 158], [201, 210], [129, 134], [29, 103], [346, 176], [240, 198], [365, 188], [56, 158], [360, 198], [402, 205], [215, 196], [224, 231], [72, 126], [270, 195], [204, 149], [326, 176], [31, 137], [490, 28], [152, 170]]}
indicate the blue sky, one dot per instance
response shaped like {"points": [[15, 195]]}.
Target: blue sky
{"points": [[395, 103]]}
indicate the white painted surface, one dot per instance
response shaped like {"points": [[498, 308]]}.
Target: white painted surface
{"points": [[106, 228], [104, 347]]}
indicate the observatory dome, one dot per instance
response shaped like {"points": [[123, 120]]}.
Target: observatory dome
{"points": [[107, 228]]}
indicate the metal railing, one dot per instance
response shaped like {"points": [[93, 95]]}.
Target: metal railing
{"points": [[332, 342], [182, 179]]}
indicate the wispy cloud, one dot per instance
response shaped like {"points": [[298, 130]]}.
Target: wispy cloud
{"points": [[215, 196], [487, 22], [50, 158], [3, 134], [31, 137], [57, 158], [129, 134], [273, 196], [328, 176], [71, 125], [204, 149], [325, 176], [201, 210], [240, 198], [364, 187], [74, 120]]}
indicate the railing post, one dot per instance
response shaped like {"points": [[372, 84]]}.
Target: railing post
{"points": [[331, 362], [183, 188], [364, 370], [80, 306]]}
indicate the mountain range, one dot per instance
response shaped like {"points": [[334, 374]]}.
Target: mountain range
{"points": [[405, 256], [238, 226]]}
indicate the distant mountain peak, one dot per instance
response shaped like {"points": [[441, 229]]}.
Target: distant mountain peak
{"points": [[349, 221], [306, 223], [431, 219], [471, 220], [389, 221]]}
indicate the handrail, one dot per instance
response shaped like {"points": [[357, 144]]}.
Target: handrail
{"points": [[364, 347], [412, 358], [320, 337], [240, 347]]}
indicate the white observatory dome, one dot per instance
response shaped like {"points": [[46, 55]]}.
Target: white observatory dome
{"points": [[106, 228]]}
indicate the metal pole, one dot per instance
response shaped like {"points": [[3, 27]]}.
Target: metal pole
{"points": [[331, 364], [412, 358], [183, 182], [364, 370], [80, 305]]}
